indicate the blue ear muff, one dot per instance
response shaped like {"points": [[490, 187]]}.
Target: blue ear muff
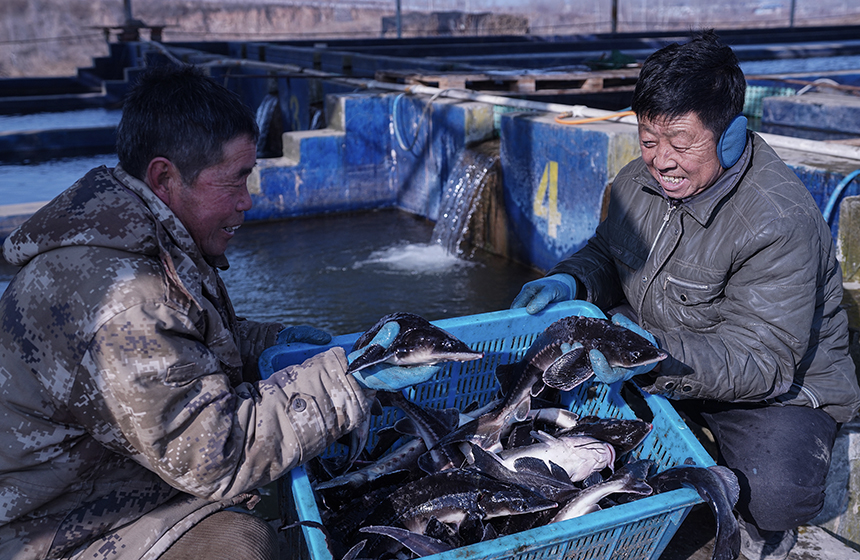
{"points": [[732, 142]]}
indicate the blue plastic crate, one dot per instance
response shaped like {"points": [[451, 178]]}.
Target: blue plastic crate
{"points": [[637, 530]]}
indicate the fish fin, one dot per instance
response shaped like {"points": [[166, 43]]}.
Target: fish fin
{"points": [[490, 533], [471, 529], [490, 464], [729, 481], [449, 417], [385, 438], [558, 472], [443, 532], [521, 412], [543, 437], [560, 418], [569, 370], [532, 465], [421, 545], [353, 552], [472, 406], [640, 487], [641, 468], [520, 435], [406, 426], [507, 375], [592, 479], [357, 442]]}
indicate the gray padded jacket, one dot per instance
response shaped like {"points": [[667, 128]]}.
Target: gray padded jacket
{"points": [[739, 283]]}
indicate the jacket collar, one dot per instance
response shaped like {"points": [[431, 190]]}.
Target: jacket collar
{"points": [[167, 219]]}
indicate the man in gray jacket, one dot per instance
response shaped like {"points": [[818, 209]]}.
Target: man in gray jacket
{"points": [[716, 248], [131, 410]]}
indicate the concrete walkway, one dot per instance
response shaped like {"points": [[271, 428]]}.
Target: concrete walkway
{"points": [[695, 541]]}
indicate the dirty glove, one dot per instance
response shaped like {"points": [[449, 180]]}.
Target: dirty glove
{"points": [[387, 377], [303, 333], [537, 294], [608, 374], [255, 336]]}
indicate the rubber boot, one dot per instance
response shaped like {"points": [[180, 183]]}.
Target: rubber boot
{"points": [[765, 545]]}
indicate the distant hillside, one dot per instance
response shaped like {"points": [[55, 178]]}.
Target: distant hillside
{"points": [[54, 37]]}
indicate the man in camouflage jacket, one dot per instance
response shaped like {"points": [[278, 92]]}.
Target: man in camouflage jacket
{"points": [[129, 400]]}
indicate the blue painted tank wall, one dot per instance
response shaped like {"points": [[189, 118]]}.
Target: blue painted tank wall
{"points": [[359, 163], [383, 149], [554, 179], [554, 175]]}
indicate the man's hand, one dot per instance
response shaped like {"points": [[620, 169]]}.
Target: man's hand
{"points": [[608, 374], [537, 294], [303, 333], [387, 377]]}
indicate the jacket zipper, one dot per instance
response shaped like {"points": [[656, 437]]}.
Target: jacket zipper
{"points": [[683, 283], [672, 205]]}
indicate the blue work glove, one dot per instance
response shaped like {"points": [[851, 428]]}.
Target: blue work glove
{"points": [[387, 377], [537, 294], [303, 333], [607, 374]]}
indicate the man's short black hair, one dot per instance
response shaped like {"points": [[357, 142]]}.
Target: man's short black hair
{"points": [[179, 113], [702, 76]]}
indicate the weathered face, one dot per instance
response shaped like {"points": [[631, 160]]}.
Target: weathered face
{"points": [[214, 206], [680, 153]]}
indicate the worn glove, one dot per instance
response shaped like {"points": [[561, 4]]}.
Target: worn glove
{"points": [[537, 294], [608, 374], [387, 377], [303, 333]]}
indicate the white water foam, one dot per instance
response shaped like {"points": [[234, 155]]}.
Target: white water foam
{"points": [[415, 258]]}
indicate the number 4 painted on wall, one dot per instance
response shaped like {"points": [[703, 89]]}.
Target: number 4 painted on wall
{"points": [[545, 204]]}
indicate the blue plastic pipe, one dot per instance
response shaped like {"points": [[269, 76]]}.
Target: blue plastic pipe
{"points": [[836, 195]]}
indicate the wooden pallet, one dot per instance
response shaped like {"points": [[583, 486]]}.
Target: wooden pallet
{"points": [[532, 83]]}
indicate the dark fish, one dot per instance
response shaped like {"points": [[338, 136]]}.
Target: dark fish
{"points": [[487, 430], [460, 498], [620, 346], [554, 484], [395, 467], [418, 342], [450, 496], [545, 364], [624, 434], [421, 545], [429, 424], [719, 487], [626, 479]]}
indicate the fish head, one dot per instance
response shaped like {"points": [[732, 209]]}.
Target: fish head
{"points": [[624, 434], [629, 349], [592, 454]]}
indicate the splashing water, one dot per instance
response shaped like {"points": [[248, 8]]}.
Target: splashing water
{"points": [[460, 198], [415, 258]]}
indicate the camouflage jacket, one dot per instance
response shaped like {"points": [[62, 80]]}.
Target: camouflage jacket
{"points": [[126, 415]]}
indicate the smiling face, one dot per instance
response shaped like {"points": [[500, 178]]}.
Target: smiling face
{"points": [[214, 205], [680, 153]]}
